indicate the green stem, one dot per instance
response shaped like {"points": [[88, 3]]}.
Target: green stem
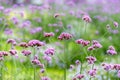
{"points": [[107, 75], [1, 72], [65, 73], [34, 72], [81, 68]]}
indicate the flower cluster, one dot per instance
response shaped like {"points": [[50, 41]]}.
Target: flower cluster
{"points": [[36, 61], [3, 53], [83, 42], [26, 52], [95, 45], [11, 41], [107, 67], [115, 24], [13, 52], [91, 59], [50, 51], [92, 72], [65, 36], [37, 43], [23, 44], [86, 18], [48, 34], [111, 50], [78, 76]]}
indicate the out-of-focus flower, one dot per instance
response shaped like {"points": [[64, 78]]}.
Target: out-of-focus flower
{"points": [[86, 18], [83, 42], [111, 50], [45, 78], [80, 76], [35, 30], [11, 41], [91, 59], [65, 36], [35, 43], [115, 24], [23, 44], [26, 52], [13, 52], [50, 51], [77, 62], [8, 31], [107, 67], [48, 34], [92, 72]]}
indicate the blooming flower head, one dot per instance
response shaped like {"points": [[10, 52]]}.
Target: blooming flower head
{"points": [[47, 58], [107, 67], [65, 36], [13, 52], [92, 72], [80, 76], [86, 18], [35, 30], [23, 44], [37, 43], [115, 24], [96, 44], [11, 41], [77, 62], [45, 78], [1, 8], [116, 66], [50, 51], [48, 34], [56, 15], [83, 42], [3, 53], [91, 59], [42, 70], [111, 50], [26, 52], [15, 20], [8, 31], [36, 62]]}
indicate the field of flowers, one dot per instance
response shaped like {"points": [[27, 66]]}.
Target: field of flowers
{"points": [[60, 40]]}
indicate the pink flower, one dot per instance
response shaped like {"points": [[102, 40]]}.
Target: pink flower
{"points": [[36, 62], [116, 66], [35, 43], [80, 76], [45, 78], [115, 24], [77, 62], [111, 50], [26, 52], [13, 52], [107, 67], [86, 18], [42, 70], [50, 51], [83, 42], [96, 44], [11, 41], [91, 59], [47, 58], [23, 44], [92, 72], [65, 36], [48, 34]]}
